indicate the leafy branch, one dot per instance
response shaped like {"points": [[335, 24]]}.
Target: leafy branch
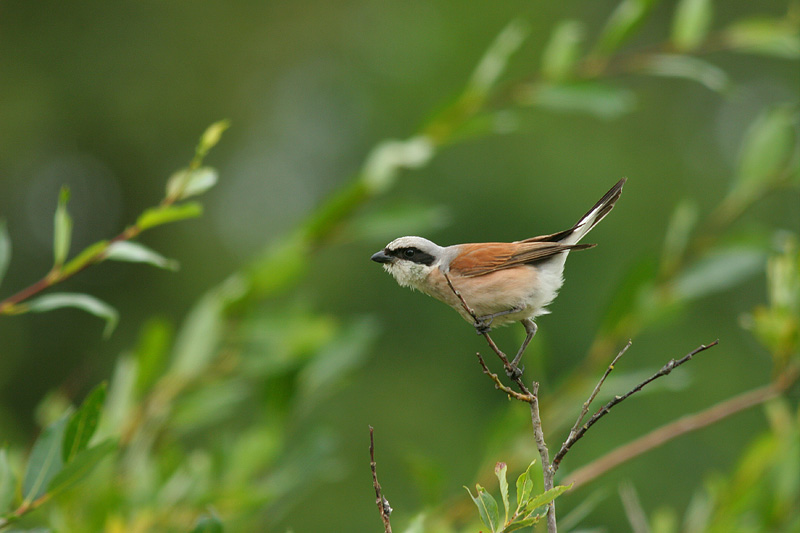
{"points": [[191, 181]]}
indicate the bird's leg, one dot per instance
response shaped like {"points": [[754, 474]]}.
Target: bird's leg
{"points": [[484, 323], [530, 329]]}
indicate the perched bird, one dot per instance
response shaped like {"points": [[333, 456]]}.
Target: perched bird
{"points": [[503, 282]]}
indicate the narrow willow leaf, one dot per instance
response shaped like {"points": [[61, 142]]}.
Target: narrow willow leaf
{"points": [[719, 271], [595, 98], [80, 466], [524, 522], [563, 50], [690, 68], [45, 461], [62, 229], [83, 423], [766, 149], [197, 340], [138, 253], [679, 229], [385, 161], [546, 497], [622, 23], [8, 482], [500, 471], [524, 486], [213, 134], [386, 223], [487, 508], [156, 216], [690, 24], [188, 182], [85, 302], [90, 253], [151, 351], [5, 250], [208, 524], [494, 61], [337, 359], [771, 37], [210, 138]]}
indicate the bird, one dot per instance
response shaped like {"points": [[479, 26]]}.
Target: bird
{"points": [[502, 282]]}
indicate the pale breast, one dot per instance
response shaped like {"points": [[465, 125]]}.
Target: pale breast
{"points": [[493, 293]]}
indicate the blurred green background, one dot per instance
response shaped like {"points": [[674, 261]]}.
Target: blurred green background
{"points": [[109, 98]]}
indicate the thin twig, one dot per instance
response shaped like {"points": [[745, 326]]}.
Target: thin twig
{"points": [[588, 402], [528, 398], [666, 369], [680, 427], [548, 472], [383, 504], [506, 363]]}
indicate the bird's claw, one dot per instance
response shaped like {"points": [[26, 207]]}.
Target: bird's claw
{"points": [[483, 325], [515, 371]]}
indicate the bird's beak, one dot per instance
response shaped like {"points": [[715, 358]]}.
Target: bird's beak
{"points": [[382, 257]]}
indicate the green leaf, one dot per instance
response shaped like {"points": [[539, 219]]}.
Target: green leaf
{"points": [[62, 229], [337, 359], [563, 50], [500, 470], [83, 423], [134, 252], [85, 302], [8, 482], [5, 250], [546, 497], [44, 462], [687, 67], [719, 271], [524, 486], [198, 339], [189, 182], [522, 523], [164, 214], [494, 61], [766, 149], [690, 24], [385, 224], [595, 98], [208, 524], [622, 23], [487, 508], [90, 253], [80, 466], [679, 229], [772, 37], [151, 351], [210, 138]]}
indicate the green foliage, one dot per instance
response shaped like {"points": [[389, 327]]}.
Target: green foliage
{"points": [[84, 302], [529, 509], [211, 422], [62, 232], [691, 23]]}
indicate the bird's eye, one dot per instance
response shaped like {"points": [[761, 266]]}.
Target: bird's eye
{"points": [[409, 252]]}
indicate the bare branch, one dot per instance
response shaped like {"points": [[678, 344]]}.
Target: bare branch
{"points": [[383, 504], [596, 390], [548, 472], [528, 398], [666, 369], [680, 427]]}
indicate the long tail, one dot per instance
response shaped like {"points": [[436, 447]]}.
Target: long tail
{"points": [[588, 221]]}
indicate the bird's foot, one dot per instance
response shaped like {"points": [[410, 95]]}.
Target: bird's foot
{"points": [[515, 371], [483, 324]]}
